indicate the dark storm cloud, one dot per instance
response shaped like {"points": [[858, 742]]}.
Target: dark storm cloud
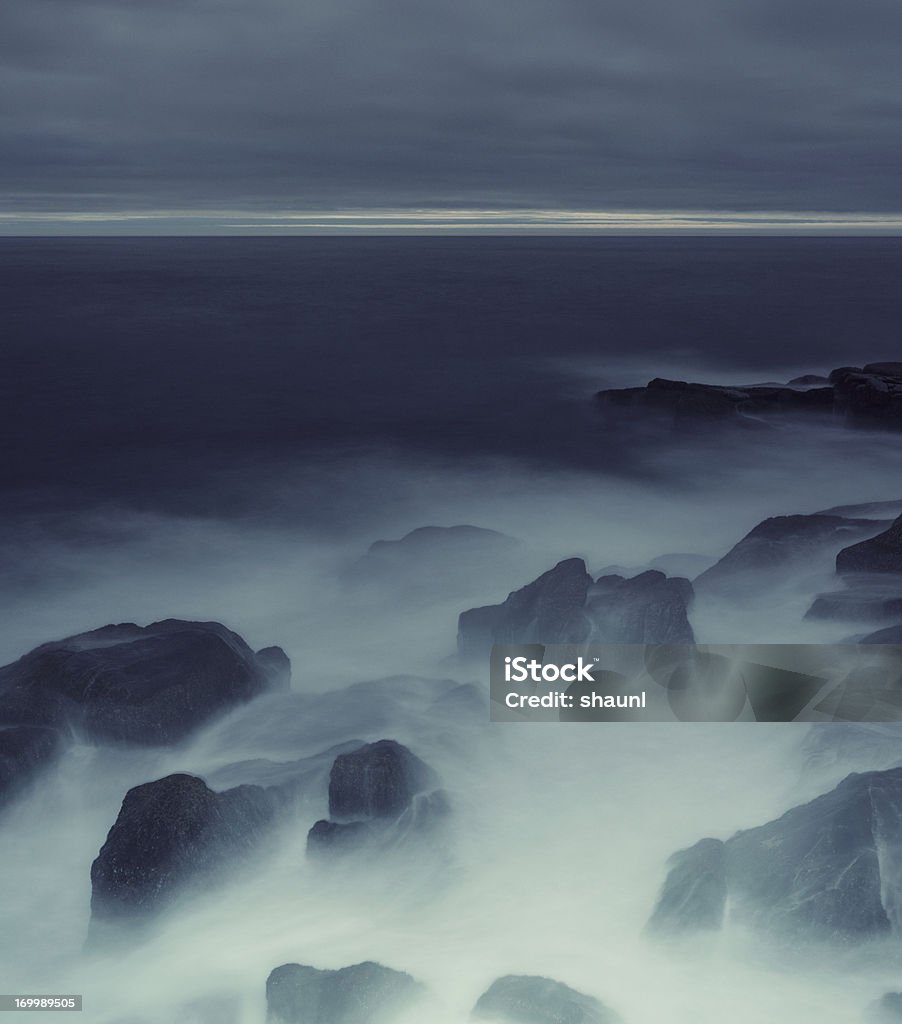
{"points": [[730, 104]]}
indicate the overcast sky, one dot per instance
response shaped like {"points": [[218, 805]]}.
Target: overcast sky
{"points": [[240, 107]]}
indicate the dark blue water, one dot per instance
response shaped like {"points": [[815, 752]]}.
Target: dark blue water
{"points": [[133, 367]]}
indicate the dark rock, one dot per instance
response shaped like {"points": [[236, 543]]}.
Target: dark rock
{"points": [[649, 608], [827, 869], [695, 892], [527, 999], [882, 553], [25, 750], [277, 665], [564, 606], [169, 833], [380, 793], [134, 684], [377, 781], [550, 610], [777, 543], [679, 398], [890, 635], [366, 993], [870, 396]]}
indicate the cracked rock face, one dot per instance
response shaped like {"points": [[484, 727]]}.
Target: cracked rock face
{"points": [[830, 869]]}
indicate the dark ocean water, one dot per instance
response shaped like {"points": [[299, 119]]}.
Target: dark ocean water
{"points": [[134, 367]]}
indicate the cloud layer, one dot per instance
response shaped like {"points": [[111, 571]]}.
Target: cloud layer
{"points": [[336, 104]]}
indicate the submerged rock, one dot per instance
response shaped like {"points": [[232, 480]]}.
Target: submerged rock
{"points": [[694, 895], [168, 833], [780, 543], [829, 869], [880, 554], [366, 993], [25, 750], [528, 999], [138, 684]]}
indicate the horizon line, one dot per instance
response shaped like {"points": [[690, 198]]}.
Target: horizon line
{"points": [[419, 220]]}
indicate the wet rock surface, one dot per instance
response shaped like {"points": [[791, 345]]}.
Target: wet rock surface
{"points": [[144, 685], [168, 833], [827, 870]]}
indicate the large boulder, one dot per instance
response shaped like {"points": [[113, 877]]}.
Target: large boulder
{"points": [[694, 895], [169, 833], [25, 750], [366, 993], [782, 542], [829, 869], [882, 553], [528, 999], [550, 610], [650, 608], [138, 684]]}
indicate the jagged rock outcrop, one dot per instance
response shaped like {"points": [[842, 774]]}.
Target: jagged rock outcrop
{"points": [[829, 869], [380, 792], [695, 892], [528, 999], [25, 750], [565, 606], [366, 993], [170, 833], [550, 610], [781, 543], [868, 396], [882, 553], [137, 684]]}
